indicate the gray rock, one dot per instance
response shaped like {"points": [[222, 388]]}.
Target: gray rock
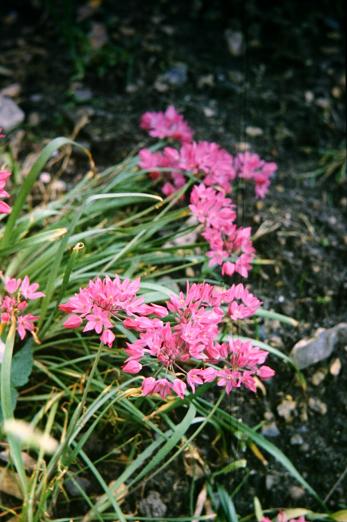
{"points": [[10, 114], [270, 430], [73, 489], [310, 351], [152, 505], [296, 440], [235, 42], [177, 75]]}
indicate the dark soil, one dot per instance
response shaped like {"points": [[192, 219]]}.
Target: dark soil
{"points": [[290, 83]]}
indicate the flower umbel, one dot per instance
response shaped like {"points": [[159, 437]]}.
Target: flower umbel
{"points": [[14, 303]]}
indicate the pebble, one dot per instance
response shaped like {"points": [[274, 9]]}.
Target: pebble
{"points": [[296, 492], [12, 90], [317, 405], [335, 367], [296, 440], [286, 408], [310, 351], [318, 377], [73, 489], [254, 131], [10, 114], [235, 42], [270, 430], [152, 505]]}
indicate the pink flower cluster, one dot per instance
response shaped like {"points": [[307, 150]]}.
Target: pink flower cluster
{"points": [[168, 124], [230, 245], [214, 165], [203, 159], [251, 166], [103, 300], [180, 338], [187, 350], [19, 292], [4, 207], [282, 517]]}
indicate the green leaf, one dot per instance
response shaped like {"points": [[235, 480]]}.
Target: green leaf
{"points": [[22, 365]]}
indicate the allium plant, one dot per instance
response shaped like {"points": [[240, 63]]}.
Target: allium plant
{"points": [[177, 342], [14, 303], [217, 171]]}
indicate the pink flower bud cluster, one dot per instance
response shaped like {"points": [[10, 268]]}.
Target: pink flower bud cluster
{"points": [[178, 341], [168, 124], [15, 302], [230, 245], [4, 207], [282, 517]]}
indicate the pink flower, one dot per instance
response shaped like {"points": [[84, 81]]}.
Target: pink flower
{"points": [[168, 124], [179, 387], [242, 303], [132, 366], [208, 159], [12, 285], [148, 385], [107, 337], [73, 321], [97, 320], [29, 290], [26, 323], [4, 207]]}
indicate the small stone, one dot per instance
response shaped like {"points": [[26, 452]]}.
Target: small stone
{"points": [[73, 489], [242, 146], [160, 86], [336, 92], [152, 505], [12, 90], [235, 42], [317, 405], [34, 119], [296, 440], [309, 96], [10, 114], [206, 80], [335, 367], [323, 103], [176, 76], [318, 377], [270, 430], [209, 113], [286, 408], [310, 351], [254, 131], [270, 481], [97, 36], [82, 94], [276, 341], [296, 492]]}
